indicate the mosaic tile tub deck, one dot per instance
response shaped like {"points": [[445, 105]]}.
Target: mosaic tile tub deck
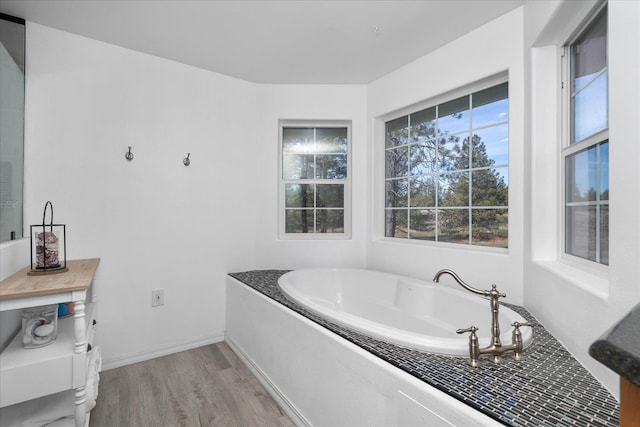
{"points": [[549, 388]]}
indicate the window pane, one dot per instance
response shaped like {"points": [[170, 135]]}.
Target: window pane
{"points": [[397, 162], [424, 117], [453, 116], [396, 223], [453, 189], [581, 231], [396, 194], [299, 221], [453, 152], [453, 225], [581, 176], [590, 113], [604, 171], [491, 146], [490, 106], [423, 158], [423, 125], [299, 195], [587, 214], [589, 80], [589, 52], [330, 221], [298, 140], [331, 140], [490, 187], [297, 166], [331, 166], [397, 132], [423, 224], [489, 227], [588, 232], [330, 195], [423, 191], [604, 234]]}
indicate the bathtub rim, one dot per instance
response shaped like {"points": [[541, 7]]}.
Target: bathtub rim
{"points": [[457, 347]]}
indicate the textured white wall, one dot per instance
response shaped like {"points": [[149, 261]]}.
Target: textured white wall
{"points": [[310, 102], [577, 302], [154, 223]]}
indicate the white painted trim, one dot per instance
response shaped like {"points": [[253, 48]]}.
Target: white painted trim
{"points": [[129, 359], [286, 405], [346, 183]]}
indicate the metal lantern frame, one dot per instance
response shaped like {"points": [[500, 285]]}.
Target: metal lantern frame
{"points": [[34, 229]]}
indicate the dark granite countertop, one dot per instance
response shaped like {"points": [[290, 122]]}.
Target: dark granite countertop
{"points": [[619, 348], [548, 388]]}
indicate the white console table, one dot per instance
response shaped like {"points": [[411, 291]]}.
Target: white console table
{"points": [[27, 374]]}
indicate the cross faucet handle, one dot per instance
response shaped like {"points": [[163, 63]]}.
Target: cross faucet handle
{"points": [[516, 338], [471, 329], [474, 346], [517, 324], [494, 293]]}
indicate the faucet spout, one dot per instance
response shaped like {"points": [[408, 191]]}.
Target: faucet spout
{"points": [[457, 278]]}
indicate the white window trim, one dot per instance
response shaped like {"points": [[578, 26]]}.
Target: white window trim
{"points": [[282, 234], [567, 148], [378, 232], [548, 113]]}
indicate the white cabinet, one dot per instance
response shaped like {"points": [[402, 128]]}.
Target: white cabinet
{"points": [[33, 373]]}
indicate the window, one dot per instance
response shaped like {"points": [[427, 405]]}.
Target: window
{"points": [[586, 150], [447, 171], [314, 182]]}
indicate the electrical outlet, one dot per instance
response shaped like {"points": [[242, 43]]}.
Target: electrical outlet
{"points": [[157, 297]]}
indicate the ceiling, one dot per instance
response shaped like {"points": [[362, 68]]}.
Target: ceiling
{"points": [[294, 41]]}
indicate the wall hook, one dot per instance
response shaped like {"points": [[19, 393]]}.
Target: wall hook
{"points": [[129, 155], [186, 160]]}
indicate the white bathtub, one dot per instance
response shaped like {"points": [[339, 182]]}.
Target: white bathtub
{"points": [[399, 310]]}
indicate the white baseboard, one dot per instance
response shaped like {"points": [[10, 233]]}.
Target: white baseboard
{"points": [[293, 413], [129, 359]]}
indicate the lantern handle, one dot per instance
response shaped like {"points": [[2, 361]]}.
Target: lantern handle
{"points": [[44, 214]]}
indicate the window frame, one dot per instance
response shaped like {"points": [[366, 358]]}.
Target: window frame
{"points": [[568, 148], [381, 149], [282, 182]]}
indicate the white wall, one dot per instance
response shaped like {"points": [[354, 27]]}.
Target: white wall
{"points": [[308, 102], [479, 54], [576, 302], [154, 223]]}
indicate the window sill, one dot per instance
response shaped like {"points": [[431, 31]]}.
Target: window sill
{"points": [[302, 237], [444, 245], [591, 280]]}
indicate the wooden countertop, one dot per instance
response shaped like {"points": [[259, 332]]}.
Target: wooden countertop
{"points": [[79, 276]]}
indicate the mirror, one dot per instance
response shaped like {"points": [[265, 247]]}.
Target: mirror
{"points": [[12, 48]]}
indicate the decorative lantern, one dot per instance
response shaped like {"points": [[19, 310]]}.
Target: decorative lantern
{"points": [[48, 246]]}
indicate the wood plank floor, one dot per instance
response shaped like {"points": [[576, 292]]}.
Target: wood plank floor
{"points": [[206, 386]]}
